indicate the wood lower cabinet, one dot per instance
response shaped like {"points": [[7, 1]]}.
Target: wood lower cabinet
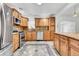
{"points": [[27, 35], [46, 35], [30, 35], [56, 42], [52, 35], [64, 46], [33, 34], [74, 47], [15, 41]]}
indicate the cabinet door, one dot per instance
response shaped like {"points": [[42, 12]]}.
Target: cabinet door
{"points": [[28, 36], [52, 28], [56, 42], [46, 35], [36, 22], [15, 13], [41, 22], [52, 35], [33, 35], [74, 47], [24, 21], [64, 46], [15, 42]]}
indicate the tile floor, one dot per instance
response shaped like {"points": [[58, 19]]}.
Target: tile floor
{"points": [[32, 48]]}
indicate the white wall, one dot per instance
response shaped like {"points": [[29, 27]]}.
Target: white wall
{"points": [[63, 19]]}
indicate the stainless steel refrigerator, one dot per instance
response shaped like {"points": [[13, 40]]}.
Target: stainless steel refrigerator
{"points": [[5, 26]]}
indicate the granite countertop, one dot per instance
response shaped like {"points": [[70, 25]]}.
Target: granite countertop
{"points": [[72, 35]]}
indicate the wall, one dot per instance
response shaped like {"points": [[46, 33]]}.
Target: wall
{"points": [[62, 19]]}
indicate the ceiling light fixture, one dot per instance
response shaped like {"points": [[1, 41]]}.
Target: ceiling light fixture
{"points": [[75, 12], [39, 3]]}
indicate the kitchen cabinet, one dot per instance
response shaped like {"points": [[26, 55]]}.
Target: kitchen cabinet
{"points": [[42, 23], [57, 42], [37, 20], [74, 47], [24, 21], [15, 13], [67, 45], [27, 35], [52, 24], [52, 35], [30, 35], [33, 34], [64, 46], [15, 41], [46, 35]]}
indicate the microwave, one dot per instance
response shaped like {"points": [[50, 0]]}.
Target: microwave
{"points": [[16, 21]]}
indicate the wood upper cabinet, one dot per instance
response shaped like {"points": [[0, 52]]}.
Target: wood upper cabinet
{"points": [[52, 24], [37, 22], [56, 42], [74, 47], [52, 20], [15, 41], [64, 46], [24, 21], [42, 21], [15, 13], [30, 35], [46, 35]]}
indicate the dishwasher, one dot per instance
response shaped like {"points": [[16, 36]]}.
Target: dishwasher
{"points": [[40, 35]]}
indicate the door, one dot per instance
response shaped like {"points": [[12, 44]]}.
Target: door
{"points": [[40, 35]]}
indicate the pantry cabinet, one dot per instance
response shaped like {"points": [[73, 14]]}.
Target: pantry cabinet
{"points": [[52, 35], [52, 24]]}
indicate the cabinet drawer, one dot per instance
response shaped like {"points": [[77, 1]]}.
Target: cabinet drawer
{"points": [[74, 42], [63, 38], [74, 51]]}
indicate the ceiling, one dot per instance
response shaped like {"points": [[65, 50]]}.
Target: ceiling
{"points": [[70, 11], [35, 10]]}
